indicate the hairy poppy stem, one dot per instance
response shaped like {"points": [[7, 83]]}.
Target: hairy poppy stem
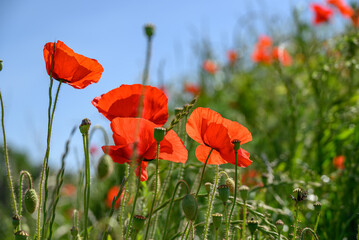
{"points": [[7, 157], [295, 220], [22, 174], [171, 203], [244, 220], [235, 193], [203, 170], [311, 231], [134, 201], [155, 193], [316, 224], [85, 138]]}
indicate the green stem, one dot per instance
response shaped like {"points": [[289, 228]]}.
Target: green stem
{"points": [[235, 194], [7, 158], [210, 203], [85, 138], [123, 202], [311, 231], [316, 224], [216, 233], [295, 221], [203, 170], [244, 220], [171, 203], [155, 193], [22, 173], [185, 230], [134, 201]]}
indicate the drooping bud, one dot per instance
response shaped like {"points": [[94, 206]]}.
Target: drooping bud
{"points": [[208, 186], [104, 167], [85, 126], [138, 222], [217, 220], [31, 200], [237, 144], [190, 206], [223, 192], [252, 225], [231, 184], [317, 206], [16, 220], [21, 235], [279, 223], [159, 134], [149, 30], [243, 191], [74, 231], [0, 65]]}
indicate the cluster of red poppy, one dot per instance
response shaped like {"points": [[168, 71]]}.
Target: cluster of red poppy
{"points": [[324, 13], [266, 53]]}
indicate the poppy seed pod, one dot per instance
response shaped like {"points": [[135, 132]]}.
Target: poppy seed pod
{"points": [[317, 206], [74, 231], [31, 200], [16, 220], [217, 220], [223, 191], [21, 235], [104, 167], [149, 30], [138, 222], [85, 126], [159, 134], [208, 186], [252, 225], [243, 190], [0, 65], [231, 184], [190, 206], [279, 225], [237, 144]]}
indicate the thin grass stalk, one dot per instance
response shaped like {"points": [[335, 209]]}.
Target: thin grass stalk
{"points": [[210, 203], [124, 202], [190, 229], [203, 170], [46, 192], [155, 193], [244, 219], [185, 230], [6, 154], [316, 224], [87, 182]]}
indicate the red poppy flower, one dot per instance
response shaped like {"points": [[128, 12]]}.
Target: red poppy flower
{"points": [[322, 13], [210, 67], [192, 88], [338, 162], [251, 178], [111, 194], [68, 190], [124, 102], [263, 50], [343, 8], [232, 56], [74, 69], [124, 131], [212, 131], [282, 55], [355, 18]]}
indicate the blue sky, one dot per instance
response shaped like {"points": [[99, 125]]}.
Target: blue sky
{"points": [[111, 32]]}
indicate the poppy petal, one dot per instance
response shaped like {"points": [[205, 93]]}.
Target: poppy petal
{"points": [[202, 153], [242, 157], [119, 154], [172, 148], [144, 174]]}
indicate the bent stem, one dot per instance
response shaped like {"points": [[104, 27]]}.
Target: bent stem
{"points": [[311, 231], [235, 194], [22, 174], [171, 203], [203, 170], [134, 201], [85, 138], [155, 193], [7, 158]]}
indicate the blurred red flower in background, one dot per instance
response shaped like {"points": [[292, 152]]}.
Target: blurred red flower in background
{"points": [[210, 67], [251, 178], [192, 88], [68, 190], [322, 13], [281, 54], [343, 8], [355, 18], [125, 100], [212, 131], [338, 162], [263, 50], [74, 69], [93, 150], [126, 135], [232, 56], [111, 194]]}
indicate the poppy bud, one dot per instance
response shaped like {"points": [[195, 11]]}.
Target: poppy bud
{"points": [[74, 231], [279, 225], [231, 184], [138, 222], [31, 200], [252, 225], [85, 126], [159, 134], [237, 144], [208, 186], [0, 65], [243, 190], [190, 206], [217, 220], [104, 167], [149, 30], [16, 220], [223, 191], [21, 235], [317, 206]]}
